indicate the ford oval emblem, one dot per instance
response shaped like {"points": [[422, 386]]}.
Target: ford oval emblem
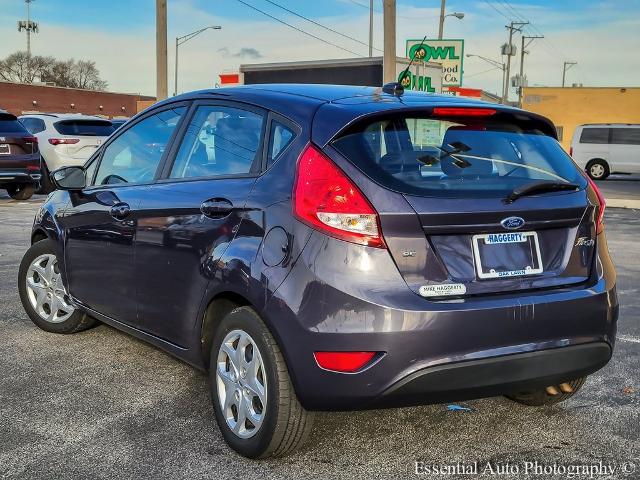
{"points": [[512, 223]]}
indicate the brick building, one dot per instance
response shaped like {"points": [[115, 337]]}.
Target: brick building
{"points": [[19, 98]]}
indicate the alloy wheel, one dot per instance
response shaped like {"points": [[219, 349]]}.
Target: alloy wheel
{"points": [[596, 170], [45, 290], [241, 384]]}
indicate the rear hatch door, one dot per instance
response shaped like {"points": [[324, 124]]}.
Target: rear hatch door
{"points": [[447, 206], [82, 136], [16, 143]]}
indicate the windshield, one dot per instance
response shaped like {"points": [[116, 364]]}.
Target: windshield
{"points": [[455, 158], [92, 128]]}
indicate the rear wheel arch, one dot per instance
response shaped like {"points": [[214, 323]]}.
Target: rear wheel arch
{"points": [[217, 308]]}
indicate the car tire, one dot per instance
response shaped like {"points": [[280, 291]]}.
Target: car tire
{"points": [[597, 169], [542, 396], [21, 191], [243, 340], [46, 185], [41, 291]]}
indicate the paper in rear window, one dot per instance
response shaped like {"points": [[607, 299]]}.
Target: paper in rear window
{"points": [[90, 128]]}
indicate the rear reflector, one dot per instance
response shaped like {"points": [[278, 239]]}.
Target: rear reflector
{"points": [[345, 362], [462, 112], [601, 207], [326, 199], [33, 168], [63, 141]]}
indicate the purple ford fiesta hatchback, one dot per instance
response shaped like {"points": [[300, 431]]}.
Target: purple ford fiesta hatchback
{"points": [[332, 248]]}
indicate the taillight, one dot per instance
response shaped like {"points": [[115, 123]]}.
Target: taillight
{"points": [[571, 151], [30, 139], [462, 112], [602, 205], [326, 199], [345, 362], [63, 141]]}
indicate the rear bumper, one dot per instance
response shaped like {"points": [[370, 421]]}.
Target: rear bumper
{"points": [[496, 376], [10, 177], [432, 351]]}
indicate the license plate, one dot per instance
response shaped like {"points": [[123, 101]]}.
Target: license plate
{"points": [[512, 254], [4, 149]]}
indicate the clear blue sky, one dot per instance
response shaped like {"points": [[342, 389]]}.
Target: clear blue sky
{"points": [[601, 35]]}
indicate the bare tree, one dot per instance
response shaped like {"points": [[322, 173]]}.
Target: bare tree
{"points": [[22, 68]]}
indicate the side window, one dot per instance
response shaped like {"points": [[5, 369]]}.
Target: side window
{"points": [[595, 135], [219, 141], [134, 156], [279, 137], [625, 136], [33, 125]]}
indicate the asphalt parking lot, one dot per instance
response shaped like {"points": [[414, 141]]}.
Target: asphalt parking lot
{"points": [[101, 404]]}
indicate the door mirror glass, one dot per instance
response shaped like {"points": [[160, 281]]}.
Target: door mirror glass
{"points": [[69, 178]]}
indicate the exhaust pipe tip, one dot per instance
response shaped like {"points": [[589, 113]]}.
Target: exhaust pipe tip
{"points": [[552, 390]]}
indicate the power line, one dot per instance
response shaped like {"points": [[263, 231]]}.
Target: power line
{"points": [[298, 29], [483, 72], [406, 17], [319, 24]]}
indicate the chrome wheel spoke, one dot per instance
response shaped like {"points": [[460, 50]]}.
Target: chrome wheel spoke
{"points": [[45, 290], [240, 379]]}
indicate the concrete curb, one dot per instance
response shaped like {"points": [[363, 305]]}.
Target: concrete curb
{"points": [[623, 203]]}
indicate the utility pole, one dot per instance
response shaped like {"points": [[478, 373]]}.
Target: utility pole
{"points": [[389, 54], [185, 39], [161, 50], [371, 28], [442, 15], [514, 27], [565, 67], [28, 26], [522, 54]]}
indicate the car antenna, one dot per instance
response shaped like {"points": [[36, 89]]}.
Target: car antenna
{"points": [[396, 88]]}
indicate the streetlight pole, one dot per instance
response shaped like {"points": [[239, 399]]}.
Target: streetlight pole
{"points": [[185, 39], [490, 61], [442, 15], [565, 67]]}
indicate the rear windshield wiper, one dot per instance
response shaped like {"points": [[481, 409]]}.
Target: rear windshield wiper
{"points": [[537, 187]]}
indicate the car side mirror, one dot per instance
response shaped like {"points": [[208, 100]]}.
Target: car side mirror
{"points": [[69, 178]]}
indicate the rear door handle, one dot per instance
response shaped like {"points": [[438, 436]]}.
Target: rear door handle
{"points": [[120, 211], [216, 208]]}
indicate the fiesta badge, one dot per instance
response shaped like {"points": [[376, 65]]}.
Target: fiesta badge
{"points": [[512, 223]]}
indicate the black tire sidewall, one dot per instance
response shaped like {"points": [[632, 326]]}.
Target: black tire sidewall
{"points": [[69, 325], [245, 319], [46, 186], [599, 162], [23, 191]]}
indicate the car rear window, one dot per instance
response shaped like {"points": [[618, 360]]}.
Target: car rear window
{"points": [[455, 157], [10, 124], [90, 128]]}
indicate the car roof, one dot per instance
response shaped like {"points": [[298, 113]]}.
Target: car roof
{"points": [[331, 107], [590, 125]]}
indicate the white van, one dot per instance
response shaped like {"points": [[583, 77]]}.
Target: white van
{"points": [[606, 148]]}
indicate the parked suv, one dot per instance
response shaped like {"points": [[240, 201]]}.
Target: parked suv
{"points": [[333, 248], [602, 149], [19, 158], [65, 139]]}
